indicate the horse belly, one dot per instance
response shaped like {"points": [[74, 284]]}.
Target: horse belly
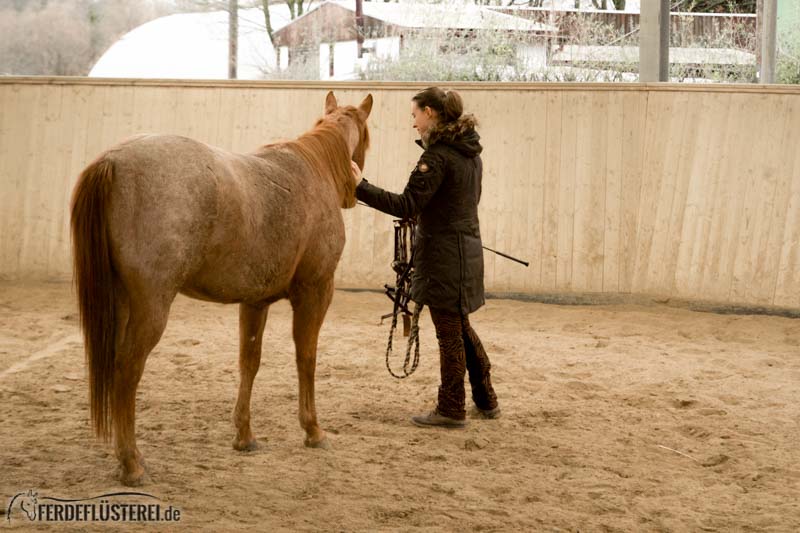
{"points": [[239, 279], [254, 257]]}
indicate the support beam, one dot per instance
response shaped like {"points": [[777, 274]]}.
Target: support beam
{"points": [[768, 31], [359, 29], [233, 37], [654, 41]]}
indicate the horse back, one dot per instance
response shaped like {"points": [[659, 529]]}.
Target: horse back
{"points": [[219, 225]]}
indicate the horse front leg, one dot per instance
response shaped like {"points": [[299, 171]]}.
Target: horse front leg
{"points": [[251, 330], [310, 303]]}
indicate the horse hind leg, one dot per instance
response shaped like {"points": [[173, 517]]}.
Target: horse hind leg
{"points": [[251, 331], [310, 303], [146, 320]]}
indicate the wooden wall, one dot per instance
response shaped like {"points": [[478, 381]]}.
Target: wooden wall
{"points": [[685, 191]]}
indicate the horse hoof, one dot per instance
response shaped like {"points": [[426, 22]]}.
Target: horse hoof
{"points": [[133, 479], [249, 446], [322, 444]]}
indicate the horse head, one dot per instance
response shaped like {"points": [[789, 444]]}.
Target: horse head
{"points": [[352, 121], [27, 502]]}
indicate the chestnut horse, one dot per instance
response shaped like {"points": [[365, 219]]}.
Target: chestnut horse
{"points": [[160, 214]]}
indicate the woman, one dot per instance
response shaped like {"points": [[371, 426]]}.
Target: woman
{"points": [[443, 194]]}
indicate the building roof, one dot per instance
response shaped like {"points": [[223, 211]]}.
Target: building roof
{"points": [[446, 15], [334, 21]]}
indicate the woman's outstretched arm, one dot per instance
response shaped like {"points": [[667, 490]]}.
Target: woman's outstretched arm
{"points": [[422, 185]]}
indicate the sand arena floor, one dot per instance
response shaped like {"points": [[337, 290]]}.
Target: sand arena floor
{"points": [[616, 418]]}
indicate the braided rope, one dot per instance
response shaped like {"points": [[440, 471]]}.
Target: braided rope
{"points": [[413, 341]]}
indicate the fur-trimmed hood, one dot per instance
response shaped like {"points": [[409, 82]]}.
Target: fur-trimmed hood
{"points": [[459, 134]]}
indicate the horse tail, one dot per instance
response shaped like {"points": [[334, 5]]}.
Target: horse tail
{"points": [[94, 278]]}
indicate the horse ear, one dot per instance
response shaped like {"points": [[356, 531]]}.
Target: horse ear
{"points": [[330, 103], [366, 106]]}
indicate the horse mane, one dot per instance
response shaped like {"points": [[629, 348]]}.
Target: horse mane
{"points": [[325, 149]]}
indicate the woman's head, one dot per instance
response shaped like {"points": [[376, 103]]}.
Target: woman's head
{"points": [[433, 106]]}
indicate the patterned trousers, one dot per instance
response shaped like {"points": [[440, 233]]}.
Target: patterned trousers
{"points": [[459, 346]]}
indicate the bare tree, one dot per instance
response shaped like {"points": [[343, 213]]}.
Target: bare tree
{"points": [[54, 40], [267, 21], [65, 37]]}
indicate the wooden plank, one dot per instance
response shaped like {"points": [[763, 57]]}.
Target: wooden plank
{"points": [[657, 130], [729, 200], [518, 182], [33, 248], [787, 283], [531, 251], [143, 104], [589, 194], [112, 116], [551, 196], [747, 149], [226, 120], [167, 123], [566, 191], [246, 137], [595, 232], [696, 194], [687, 156], [705, 231], [392, 131], [667, 196], [18, 105], [765, 250], [493, 182], [582, 223], [504, 110], [212, 118], [95, 139], [612, 220], [74, 124], [188, 110], [125, 111], [10, 105], [634, 123], [56, 179], [374, 250], [784, 170], [757, 192], [762, 257]]}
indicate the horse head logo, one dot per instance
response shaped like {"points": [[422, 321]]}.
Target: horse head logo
{"points": [[27, 502]]}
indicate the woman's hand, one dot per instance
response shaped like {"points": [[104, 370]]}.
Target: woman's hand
{"points": [[356, 172]]}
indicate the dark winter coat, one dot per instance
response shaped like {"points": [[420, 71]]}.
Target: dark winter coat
{"points": [[443, 194]]}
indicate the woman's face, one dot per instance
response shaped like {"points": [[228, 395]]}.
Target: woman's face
{"points": [[424, 118]]}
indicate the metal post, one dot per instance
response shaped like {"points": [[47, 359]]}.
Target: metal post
{"points": [[654, 41], [359, 28], [768, 30], [233, 37]]}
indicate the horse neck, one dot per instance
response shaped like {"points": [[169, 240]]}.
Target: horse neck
{"points": [[326, 150]]}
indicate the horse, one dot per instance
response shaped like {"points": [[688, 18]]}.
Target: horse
{"points": [[158, 215], [27, 502]]}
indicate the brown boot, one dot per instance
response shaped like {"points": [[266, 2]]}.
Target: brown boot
{"points": [[489, 414], [434, 419]]}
